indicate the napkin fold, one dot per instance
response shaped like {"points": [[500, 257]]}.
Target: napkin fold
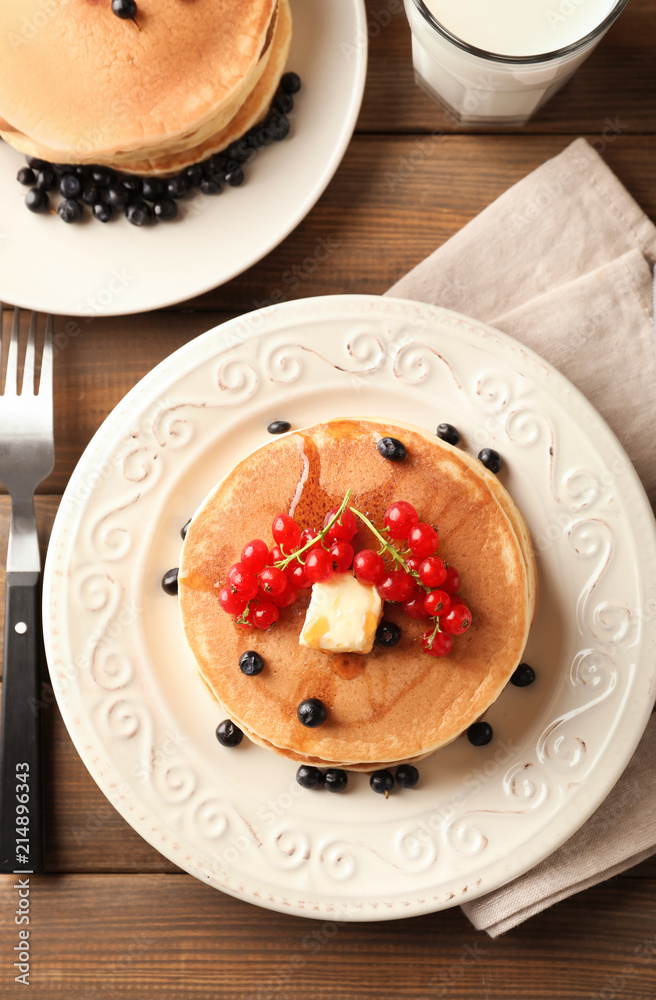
{"points": [[562, 262]]}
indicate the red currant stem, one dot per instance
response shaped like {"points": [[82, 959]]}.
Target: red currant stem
{"points": [[387, 547], [437, 629], [243, 617], [283, 563]]}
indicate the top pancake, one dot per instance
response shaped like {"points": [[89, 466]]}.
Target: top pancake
{"points": [[392, 704], [77, 79]]}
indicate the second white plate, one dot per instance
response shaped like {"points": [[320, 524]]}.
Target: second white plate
{"points": [[91, 269], [143, 720]]}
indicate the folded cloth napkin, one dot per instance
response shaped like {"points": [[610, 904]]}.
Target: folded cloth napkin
{"points": [[562, 262]]}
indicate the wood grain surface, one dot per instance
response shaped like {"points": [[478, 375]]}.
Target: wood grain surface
{"points": [[114, 919]]}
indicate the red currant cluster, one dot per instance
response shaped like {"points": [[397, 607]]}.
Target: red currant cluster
{"points": [[266, 580], [418, 579]]}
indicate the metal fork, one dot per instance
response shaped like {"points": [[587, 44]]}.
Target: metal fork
{"points": [[27, 456]]}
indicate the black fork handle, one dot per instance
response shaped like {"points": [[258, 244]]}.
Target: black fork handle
{"points": [[21, 788]]}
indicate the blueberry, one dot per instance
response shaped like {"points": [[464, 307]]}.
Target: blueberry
{"points": [[26, 176], [523, 676], [228, 734], [239, 151], [309, 777], [70, 210], [170, 582], [491, 459], [194, 174], [448, 433], [116, 196], [407, 776], [37, 200], [153, 189], [392, 449], [234, 174], [335, 780], [138, 214], [90, 193], [251, 663], [125, 9], [69, 186], [133, 185], [102, 176], [290, 82], [279, 125], [479, 734], [165, 209], [311, 712], [184, 529], [36, 164], [388, 634], [102, 212], [216, 164], [382, 782], [283, 102], [210, 187], [279, 427], [177, 187], [81, 170], [46, 179], [260, 136]]}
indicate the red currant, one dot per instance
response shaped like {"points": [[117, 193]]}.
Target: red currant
{"points": [[306, 535], [272, 580], [318, 566], [287, 598], [255, 555], [413, 563], [276, 555], [265, 615], [341, 554], [414, 606], [452, 580], [436, 603], [242, 580], [437, 645], [286, 532], [395, 586], [231, 601], [432, 571], [368, 566], [423, 540], [344, 528], [400, 519], [296, 576], [457, 620]]}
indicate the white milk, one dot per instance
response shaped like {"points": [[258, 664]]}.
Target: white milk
{"points": [[491, 88], [520, 27]]}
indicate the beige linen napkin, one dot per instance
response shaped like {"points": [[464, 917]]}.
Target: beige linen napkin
{"points": [[562, 262]]}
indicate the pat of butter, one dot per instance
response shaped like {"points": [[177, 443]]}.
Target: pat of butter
{"points": [[343, 616]]}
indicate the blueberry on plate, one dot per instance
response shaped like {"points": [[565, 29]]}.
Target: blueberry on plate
{"points": [[523, 676], [491, 459], [70, 210], [335, 780], [309, 777], [479, 734], [37, 200], [407, 776], [448, 433], [170, 582], [228, 734], [279, 427], [382, 782]]}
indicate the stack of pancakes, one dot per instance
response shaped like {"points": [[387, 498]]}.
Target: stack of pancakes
{"points": [[393, 704], [80, 85]]}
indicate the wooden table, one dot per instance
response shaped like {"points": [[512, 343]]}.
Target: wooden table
{"points": [[114, 919]]}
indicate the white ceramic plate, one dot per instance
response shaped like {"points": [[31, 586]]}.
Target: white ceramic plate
{"points": [[142, 719], [91, 269]]}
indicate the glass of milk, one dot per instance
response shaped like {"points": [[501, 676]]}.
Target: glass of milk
{"points": [[498, 61]]}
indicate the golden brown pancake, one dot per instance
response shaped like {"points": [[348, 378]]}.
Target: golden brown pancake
{"points": [[78, 84], [392, 704]]}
